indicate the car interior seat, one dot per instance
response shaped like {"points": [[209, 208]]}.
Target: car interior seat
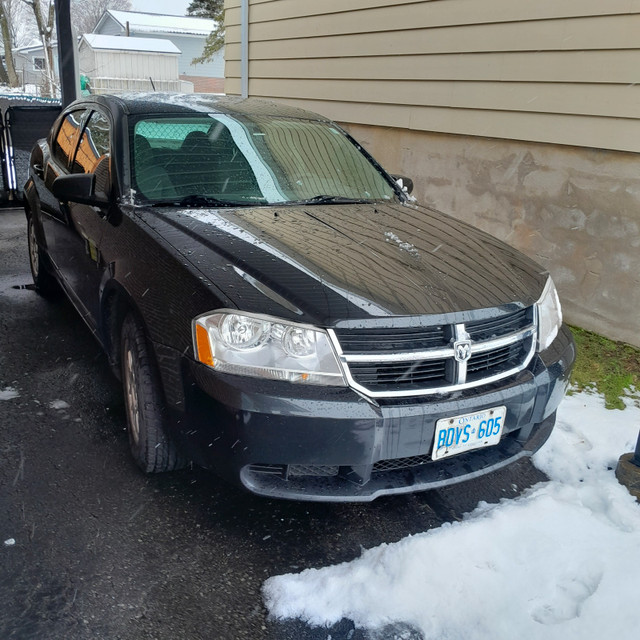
{"points": [[192, 171], [151, 178]]}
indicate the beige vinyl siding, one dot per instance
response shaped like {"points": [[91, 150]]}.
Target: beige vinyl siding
{"points": [[436, 12], [566, 72]]}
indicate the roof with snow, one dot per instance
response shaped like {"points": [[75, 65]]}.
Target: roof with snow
{"points": [[157, 23], [120, 43], [33, 46]]}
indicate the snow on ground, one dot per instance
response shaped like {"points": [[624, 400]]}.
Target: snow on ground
{"points": [[58, 404], [562, 561], [8, 393]]}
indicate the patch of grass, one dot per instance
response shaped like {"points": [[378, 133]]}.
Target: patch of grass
{"points": [[611, 368]]}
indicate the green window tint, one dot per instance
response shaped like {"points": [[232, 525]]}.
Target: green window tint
{"points": [[249, 160], [169, 133]]}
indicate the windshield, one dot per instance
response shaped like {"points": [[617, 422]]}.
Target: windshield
{"points": [[217, 159]]}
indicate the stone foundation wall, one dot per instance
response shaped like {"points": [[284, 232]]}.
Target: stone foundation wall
{"points": [[574, 210]]}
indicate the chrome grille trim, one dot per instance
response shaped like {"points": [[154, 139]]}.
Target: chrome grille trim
{"points": [[460, 382], [408, 356]]}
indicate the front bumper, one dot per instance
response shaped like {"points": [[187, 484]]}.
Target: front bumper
{"points": [[332, 444]]}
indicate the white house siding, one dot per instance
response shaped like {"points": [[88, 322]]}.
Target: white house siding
{"points": [[23, 60], [522, 117], [113, 71], [122, 64], [191, 46]]}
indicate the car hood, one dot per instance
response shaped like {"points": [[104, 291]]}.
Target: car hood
{"points": [[330, 263]]}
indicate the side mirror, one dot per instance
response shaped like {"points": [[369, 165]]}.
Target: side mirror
{"points": [[77, 187], [406, 184]]}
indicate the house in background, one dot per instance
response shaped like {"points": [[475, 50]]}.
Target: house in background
{"points": [[187, 33], [115, 64], [30, 66], [520, 117]]}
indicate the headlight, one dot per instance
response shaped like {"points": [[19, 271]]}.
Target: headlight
{"points": [[265, 347], [549, 316]]}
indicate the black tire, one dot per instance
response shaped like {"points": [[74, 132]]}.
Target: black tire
{"points": [[151, 446], [43, 280]]}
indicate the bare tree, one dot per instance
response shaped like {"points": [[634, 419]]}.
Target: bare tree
{"points": [[44, 13], [21, 23], [8, 73], [85, 14]]}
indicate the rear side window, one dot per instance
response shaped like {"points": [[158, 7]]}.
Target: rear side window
{"points": [[94, 152], [67, 137], [94, 144]]}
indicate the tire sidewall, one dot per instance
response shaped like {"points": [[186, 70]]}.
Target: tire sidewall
{"points": [[149, 441], [43, 280]]}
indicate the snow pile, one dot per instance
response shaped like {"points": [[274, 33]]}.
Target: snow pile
{"points": [[24, 94], [8, 393], [561, 561], [58, 404]]}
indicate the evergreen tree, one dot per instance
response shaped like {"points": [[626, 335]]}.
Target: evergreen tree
{"points": [[214, 10]]}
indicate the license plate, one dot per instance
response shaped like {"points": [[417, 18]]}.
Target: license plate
{"points": [[468, 432]]}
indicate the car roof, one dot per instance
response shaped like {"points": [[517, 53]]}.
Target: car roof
{"points": [[164, 103]]}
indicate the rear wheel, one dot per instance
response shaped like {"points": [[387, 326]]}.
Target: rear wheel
{"points": [[42, 279], [151, 446]]}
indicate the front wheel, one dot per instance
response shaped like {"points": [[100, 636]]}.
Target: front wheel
{"points": [[42, 279], [151, 446]]}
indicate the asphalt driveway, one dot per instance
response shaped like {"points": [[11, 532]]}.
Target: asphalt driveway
{"points": [[104, 552]]}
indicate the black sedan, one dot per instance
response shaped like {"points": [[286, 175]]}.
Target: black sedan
{"points": [[278, 307]]}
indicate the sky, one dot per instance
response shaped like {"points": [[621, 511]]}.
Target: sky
{"points": [[166, 7], [560, 562]]}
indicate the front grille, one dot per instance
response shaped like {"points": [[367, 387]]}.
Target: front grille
{"points": [[269, 469], [497, 327], [295, 470], [400, 463], [492, 362], [440, 358], [330, 471], [390, 341], [404, 374], [315, 470]]}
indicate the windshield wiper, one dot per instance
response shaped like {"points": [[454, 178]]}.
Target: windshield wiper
{"points": [[197, 200], [325, 199]]}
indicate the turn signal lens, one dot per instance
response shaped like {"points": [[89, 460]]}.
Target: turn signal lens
{"points": [[203, 347]]}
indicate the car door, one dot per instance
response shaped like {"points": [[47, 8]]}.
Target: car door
{"points": [[61, 149], [84, 267], [78, 237]]}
